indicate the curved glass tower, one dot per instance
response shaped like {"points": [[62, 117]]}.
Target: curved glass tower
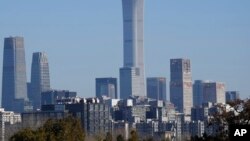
{"points": [[132, 81], [40, 80]]}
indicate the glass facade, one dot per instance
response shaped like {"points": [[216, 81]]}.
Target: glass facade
{"points": [[156, 88], [181, 89], [133, 51], [14, 81], [106, 87], [40, 79]]}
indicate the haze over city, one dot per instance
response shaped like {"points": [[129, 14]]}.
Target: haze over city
{"points": [[83, 39]]}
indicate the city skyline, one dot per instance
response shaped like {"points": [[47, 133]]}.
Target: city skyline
{"points": [[218, 47]]}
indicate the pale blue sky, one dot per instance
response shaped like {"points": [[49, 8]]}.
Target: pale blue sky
{"points": [[83, 38]]}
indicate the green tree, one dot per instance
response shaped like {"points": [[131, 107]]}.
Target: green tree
{"points": [[108, 137], [68, 129], [24, 135], [120, 138], [133, 136]]}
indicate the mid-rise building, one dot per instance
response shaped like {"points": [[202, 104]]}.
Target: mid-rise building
{"points": [[36, 119], [8, 119], [197, 128], [52, 96], [40, 80], [106, 87], [156, 88], [202, 113], [181, 92], [94, 116], [147, 129], [232, 96], [132, 80], [14, 81]]}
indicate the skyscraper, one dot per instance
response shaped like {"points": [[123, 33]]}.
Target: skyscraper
{"points": [[198, 92], [14, 81], [106, 87], [214, 92], [207, 91], [132, 81], [40, 80], [232, 96], [181, 85], [156, 88]]}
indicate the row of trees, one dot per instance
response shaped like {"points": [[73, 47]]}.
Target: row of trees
{"points": [[67, 129]]}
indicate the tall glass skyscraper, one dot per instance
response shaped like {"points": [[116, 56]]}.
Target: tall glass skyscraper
{"points": [[181, 88], [14, 81], [132, 81], [40, 80]]}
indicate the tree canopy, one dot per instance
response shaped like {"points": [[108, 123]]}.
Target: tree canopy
{"points": [[235, 113], [67, 129]]}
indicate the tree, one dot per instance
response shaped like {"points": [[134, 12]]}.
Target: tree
{"points": [[68, 129], [24, 135], [235, 113], [120, 138], [134, 136], [108, 137]]}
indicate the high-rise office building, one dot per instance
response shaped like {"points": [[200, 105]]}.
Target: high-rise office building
{"points": [[40, 80], [132, 81], [181, 92], [214, 92], [232, 96], [198, 92], [156, 88], [14, 81], [207, 91], [106, 87]]}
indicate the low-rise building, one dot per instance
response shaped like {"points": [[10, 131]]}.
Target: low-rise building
{"points": [[7, 120]]}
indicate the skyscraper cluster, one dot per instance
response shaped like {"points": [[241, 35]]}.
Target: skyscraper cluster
{"points": [[142, 105], [18, 94], [15, 96]]}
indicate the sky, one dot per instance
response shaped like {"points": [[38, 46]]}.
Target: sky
{"points": [[83, 39]]}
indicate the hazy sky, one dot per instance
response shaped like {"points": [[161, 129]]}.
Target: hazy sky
{"points": [[83, 39]]}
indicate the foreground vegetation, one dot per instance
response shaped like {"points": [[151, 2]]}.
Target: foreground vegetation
{"points": [[68, 129], [238, 113]]}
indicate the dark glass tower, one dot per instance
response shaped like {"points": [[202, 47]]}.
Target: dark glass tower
{"points": [[14, 81], [181, 88], [106, 87], [40, 80], [156, 88]]}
